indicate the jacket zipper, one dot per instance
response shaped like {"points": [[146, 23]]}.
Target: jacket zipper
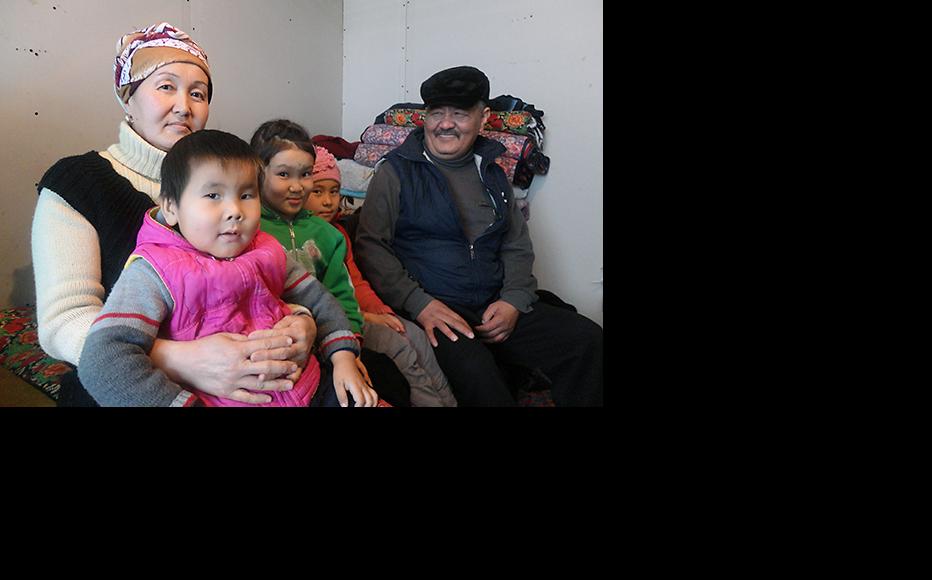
{"points": [[294, 248], [474, 265]]}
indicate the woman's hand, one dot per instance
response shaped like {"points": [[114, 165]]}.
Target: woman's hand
{"points": [[389, 320], [220, 365], [303, 332]]}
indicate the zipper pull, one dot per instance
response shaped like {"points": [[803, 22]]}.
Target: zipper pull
{"points": [[294, 246], [472, 253]]}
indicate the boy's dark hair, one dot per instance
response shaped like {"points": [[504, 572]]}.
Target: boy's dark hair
{"points": [[203, 145], [273, 137]]}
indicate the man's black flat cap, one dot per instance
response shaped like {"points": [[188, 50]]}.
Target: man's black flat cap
{"points": [[461, 86]]}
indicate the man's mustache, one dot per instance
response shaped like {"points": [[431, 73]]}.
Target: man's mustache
{"points": [[442, 132]]}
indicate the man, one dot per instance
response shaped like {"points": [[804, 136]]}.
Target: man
{"points": [[442, 241]]}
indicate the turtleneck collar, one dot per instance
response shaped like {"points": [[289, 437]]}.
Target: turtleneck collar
{"points": [[463, 161], [138, 154]]}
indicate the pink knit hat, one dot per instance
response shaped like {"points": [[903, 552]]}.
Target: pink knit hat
{"points": [[326, 166]]}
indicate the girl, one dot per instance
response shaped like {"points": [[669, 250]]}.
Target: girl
{"points": [[288, 158]]}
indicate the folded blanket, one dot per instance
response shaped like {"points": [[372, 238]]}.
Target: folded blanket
{"points": [[516, 146], [386, 134], [405, 117], [337, 146], [517, 122], [523, 148], [513, 143], [521, 161], [355, 177], [508, 164], [352, 193], [510, 103], [381, 118], [368, 154]]}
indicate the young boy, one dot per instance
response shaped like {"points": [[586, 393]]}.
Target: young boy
{"points": [[384, 331], [201, 266]]}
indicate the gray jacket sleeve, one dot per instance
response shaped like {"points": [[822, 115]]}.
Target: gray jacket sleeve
{"points": [[334, 332], [115, 367], [517, 254], [373, 245]]}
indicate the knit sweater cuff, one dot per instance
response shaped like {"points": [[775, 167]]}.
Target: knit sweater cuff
{"points": [[416, 302], [337, 341], [520, 300], [184, 399]]}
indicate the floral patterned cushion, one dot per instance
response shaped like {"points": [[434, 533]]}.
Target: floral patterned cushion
{"points": [[383, 134], [517, 122], [21, 354], [405, 117], [368, 154]]}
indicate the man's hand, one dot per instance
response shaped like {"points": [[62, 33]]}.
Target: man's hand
{"points": [[437, 315], [498, 322]]}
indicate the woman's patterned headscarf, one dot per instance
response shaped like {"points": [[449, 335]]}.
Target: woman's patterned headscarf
{"points": [[141, 52]]}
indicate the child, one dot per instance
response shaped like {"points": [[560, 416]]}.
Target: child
{"points": [[288, 158], [384, 331], [202, 266], [287, 179]]}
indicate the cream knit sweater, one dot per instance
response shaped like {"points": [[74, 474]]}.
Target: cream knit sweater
{"points": [[66, 251]]}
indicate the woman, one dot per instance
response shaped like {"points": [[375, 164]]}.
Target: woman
{"points": [[90, 209]]}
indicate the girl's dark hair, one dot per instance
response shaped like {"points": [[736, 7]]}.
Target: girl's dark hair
{"points": [[206, 144], [281, 128], [273, 137]]}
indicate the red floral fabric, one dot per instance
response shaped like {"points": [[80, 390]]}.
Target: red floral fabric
{"points": [[21, 354], [517, 122]]}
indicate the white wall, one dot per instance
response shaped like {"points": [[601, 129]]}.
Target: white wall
{"points": [[546, 52], [268, 59]]}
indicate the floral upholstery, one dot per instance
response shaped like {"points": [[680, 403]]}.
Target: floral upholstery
{"points": [[517, 122], [21, 354]]}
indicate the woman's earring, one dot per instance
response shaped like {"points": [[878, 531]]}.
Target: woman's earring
{"points": [[129, 119]]}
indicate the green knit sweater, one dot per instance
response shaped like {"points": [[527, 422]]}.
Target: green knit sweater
{"points": [[320, 248]]}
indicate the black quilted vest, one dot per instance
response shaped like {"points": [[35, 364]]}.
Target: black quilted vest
{"points": [[429, 240], [107, 200]]}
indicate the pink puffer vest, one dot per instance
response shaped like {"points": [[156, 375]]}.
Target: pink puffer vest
{"points": [[212, 295]]}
